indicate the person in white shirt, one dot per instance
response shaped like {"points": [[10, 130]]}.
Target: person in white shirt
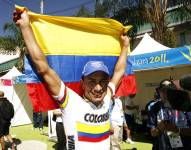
{"points": [[118, 123], [86, 119], [130, 109], [117, 119], [60, 133]]}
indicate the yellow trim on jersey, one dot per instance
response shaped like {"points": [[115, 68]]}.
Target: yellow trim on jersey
{"points": [[63, 105]]}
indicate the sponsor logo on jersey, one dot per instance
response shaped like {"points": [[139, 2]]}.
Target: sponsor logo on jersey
{"points": [[95, 118], [71, 142]]}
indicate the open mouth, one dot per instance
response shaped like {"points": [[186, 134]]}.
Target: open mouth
{"points": [[97, 95]]}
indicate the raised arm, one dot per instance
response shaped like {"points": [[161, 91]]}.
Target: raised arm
{"points": [[49, 76], [120, 66]]}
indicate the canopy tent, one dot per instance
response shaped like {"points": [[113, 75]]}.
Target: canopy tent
{"points": [[153, 62], [8, 60], [17, 95], [150, 54], [148, 45]]}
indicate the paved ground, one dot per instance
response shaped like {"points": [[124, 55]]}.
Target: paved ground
{"points": [[31, 145]]}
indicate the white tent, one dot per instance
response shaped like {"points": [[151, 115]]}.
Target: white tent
{"points": [[17, 95], [8, 59], [148, 45], [5, 57], [153, 62]]}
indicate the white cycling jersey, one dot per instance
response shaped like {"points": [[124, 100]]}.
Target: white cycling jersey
{"points": [[86, 126]]}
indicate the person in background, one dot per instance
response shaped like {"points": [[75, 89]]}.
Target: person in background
{"points": [[60, 133], [116, 117], [170, 129], [37, 120], [184, 83], [127, 132], [6, 114], [145, 112], [130, 109]]}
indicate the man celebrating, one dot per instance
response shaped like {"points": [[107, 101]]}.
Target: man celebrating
{"points": [[86, 119]]}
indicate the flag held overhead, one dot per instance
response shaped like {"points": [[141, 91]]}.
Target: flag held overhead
{"points": [[70, 42]]}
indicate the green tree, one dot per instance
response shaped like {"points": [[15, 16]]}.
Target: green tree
{"points": [[83, 12], [13, 41], [102, 8], [154, 12]]}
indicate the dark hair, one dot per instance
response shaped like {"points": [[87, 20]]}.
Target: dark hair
{"points": [[1, 94], [178, 99], [185, 82], [166, 84]]}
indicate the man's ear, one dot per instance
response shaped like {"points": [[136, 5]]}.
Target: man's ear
{"points": [[82, 83]]}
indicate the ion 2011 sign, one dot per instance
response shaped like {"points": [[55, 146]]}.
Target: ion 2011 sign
{"points": [[155, 59], [161, 58]]}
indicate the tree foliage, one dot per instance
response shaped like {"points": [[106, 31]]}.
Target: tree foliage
{"points": [[153, 12], [83, 12], [13, 41], [103, 8]]}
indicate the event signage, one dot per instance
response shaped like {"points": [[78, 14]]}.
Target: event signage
{"points": [[165, 58]]}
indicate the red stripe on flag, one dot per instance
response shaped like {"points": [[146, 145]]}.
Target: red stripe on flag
{"points": [[127, 86], [42, 100]]}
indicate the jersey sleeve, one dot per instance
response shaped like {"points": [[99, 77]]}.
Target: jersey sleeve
{"points": [[62, 97], [111, 86]]}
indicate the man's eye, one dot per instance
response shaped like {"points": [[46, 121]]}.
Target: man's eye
{"points": [[92, 82], [103, 82]]}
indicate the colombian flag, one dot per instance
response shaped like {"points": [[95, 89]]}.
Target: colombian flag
{"points": [[68, 43]]}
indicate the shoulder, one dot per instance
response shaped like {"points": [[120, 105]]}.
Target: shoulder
{"points": [[111, 89], [155, 106]]}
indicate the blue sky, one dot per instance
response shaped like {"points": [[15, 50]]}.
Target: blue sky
{"points": [[51, 7]]}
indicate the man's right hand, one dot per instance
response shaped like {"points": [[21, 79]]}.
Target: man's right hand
{"points": [[21, 18]]}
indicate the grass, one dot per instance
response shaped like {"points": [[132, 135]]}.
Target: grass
{"points": [[141, 143], [27, 133]]}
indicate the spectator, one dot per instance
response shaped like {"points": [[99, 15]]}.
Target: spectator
{"points": [[117, 117], [184, 82], [37, 120], [145, 114], [6, 114], [130, 109], [171, 129], [127, 133], [86, 119], [60, 133]]}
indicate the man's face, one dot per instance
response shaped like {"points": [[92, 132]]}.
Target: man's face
{"points": [[95, 86], [163, 94]]}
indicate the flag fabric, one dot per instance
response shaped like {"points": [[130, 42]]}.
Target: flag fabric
{"points": [[70, 42]]}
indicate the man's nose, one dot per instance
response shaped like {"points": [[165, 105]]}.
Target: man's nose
{"points": [[98, 87]]}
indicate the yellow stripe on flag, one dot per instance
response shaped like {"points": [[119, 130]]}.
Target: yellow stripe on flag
{"points": [[58, 35]]}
